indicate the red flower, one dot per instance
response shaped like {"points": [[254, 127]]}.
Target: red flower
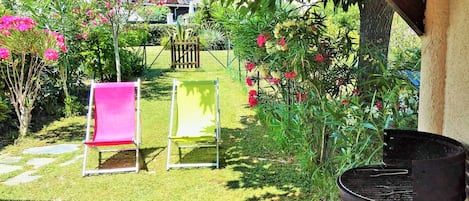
{"points": [[313, 28], [339, 81], [345, 102], [274, 80], [252, 93], [290, 75], [261, 40], [300, 97], [250, 66], [320, 58], [356, 92], [253, 101], [282, 42], [378, 105], [249, 81]]}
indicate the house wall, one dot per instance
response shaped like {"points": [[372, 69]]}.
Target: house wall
{"points": [[444, 93], [433, 71], [456, 117]]}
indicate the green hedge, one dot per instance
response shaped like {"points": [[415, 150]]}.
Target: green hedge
{"points": [[158, 31]]}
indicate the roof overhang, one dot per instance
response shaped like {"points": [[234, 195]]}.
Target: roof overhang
{"points": [[412, 11]]}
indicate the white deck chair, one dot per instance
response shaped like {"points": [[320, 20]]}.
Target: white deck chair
{"points": [[115, 107]]}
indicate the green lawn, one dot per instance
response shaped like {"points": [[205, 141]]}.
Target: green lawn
{"points": [[252, 167]]}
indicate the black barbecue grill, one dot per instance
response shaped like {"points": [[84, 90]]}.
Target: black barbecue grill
{"points": [[417, 166]]}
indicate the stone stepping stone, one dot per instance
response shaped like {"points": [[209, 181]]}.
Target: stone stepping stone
{"points": [[73, 160], [25, 177], [53, 149], [9, 168], [10, 160], [39, 162]]}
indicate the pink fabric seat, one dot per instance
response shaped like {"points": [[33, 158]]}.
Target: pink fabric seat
{"points": [[114, 114], [115, 107]]}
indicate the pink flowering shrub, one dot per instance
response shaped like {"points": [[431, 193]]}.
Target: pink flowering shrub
{"points": [[25, 51], [293, 56]]}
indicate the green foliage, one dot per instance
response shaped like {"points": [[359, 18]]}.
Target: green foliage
{"points": [[153, 13], [73, 106], [305, 82], [158, 32], [4, 109], [211, 37]]}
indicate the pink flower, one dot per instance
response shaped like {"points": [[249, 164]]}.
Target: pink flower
{"points": [[6, 32], [8, 22], [282, 42], [253, 101], [104, 20], [89, 12], [250, 66], [4, 53], [23, 27], [51, 54], [356, 92], [320, 58], [261, 40], [274, 80], [59, 37], [62, 47], [111, 13], [249, 81], [290, 75], [85, 36], [76, 10], [378, 105], [108, 4]]}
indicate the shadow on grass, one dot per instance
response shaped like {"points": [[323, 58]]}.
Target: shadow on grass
{"points": [[69, 132], [126, 158], [261, 164], [158, 88]]}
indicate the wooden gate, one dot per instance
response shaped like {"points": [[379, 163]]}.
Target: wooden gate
{"points": [[185, 54]]}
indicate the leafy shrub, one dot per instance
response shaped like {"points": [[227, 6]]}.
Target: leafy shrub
{"points": [[153, 13], [160, 33], [303, 83], [211, 38]]}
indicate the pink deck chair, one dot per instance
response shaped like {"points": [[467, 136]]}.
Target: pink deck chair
{"points": [[115, 107]]}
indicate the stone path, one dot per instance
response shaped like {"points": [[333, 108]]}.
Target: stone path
{"points": [[10, 164]]}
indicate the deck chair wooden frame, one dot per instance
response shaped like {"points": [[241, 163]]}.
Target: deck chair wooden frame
{"points": [[115, 107], [194, 121]]}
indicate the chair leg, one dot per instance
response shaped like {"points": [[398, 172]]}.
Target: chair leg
{"points": [[180, 153], [100, 158], [218, 155], [169, 155], [137, 154], [84, 161]]}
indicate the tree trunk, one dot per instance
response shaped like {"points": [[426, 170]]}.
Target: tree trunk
{"points": [[24, 119], [375, 30], [115, 38]]}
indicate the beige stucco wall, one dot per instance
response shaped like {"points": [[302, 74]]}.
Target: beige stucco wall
{"points": [[456, 117], [444, 93], [433, 72]]}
